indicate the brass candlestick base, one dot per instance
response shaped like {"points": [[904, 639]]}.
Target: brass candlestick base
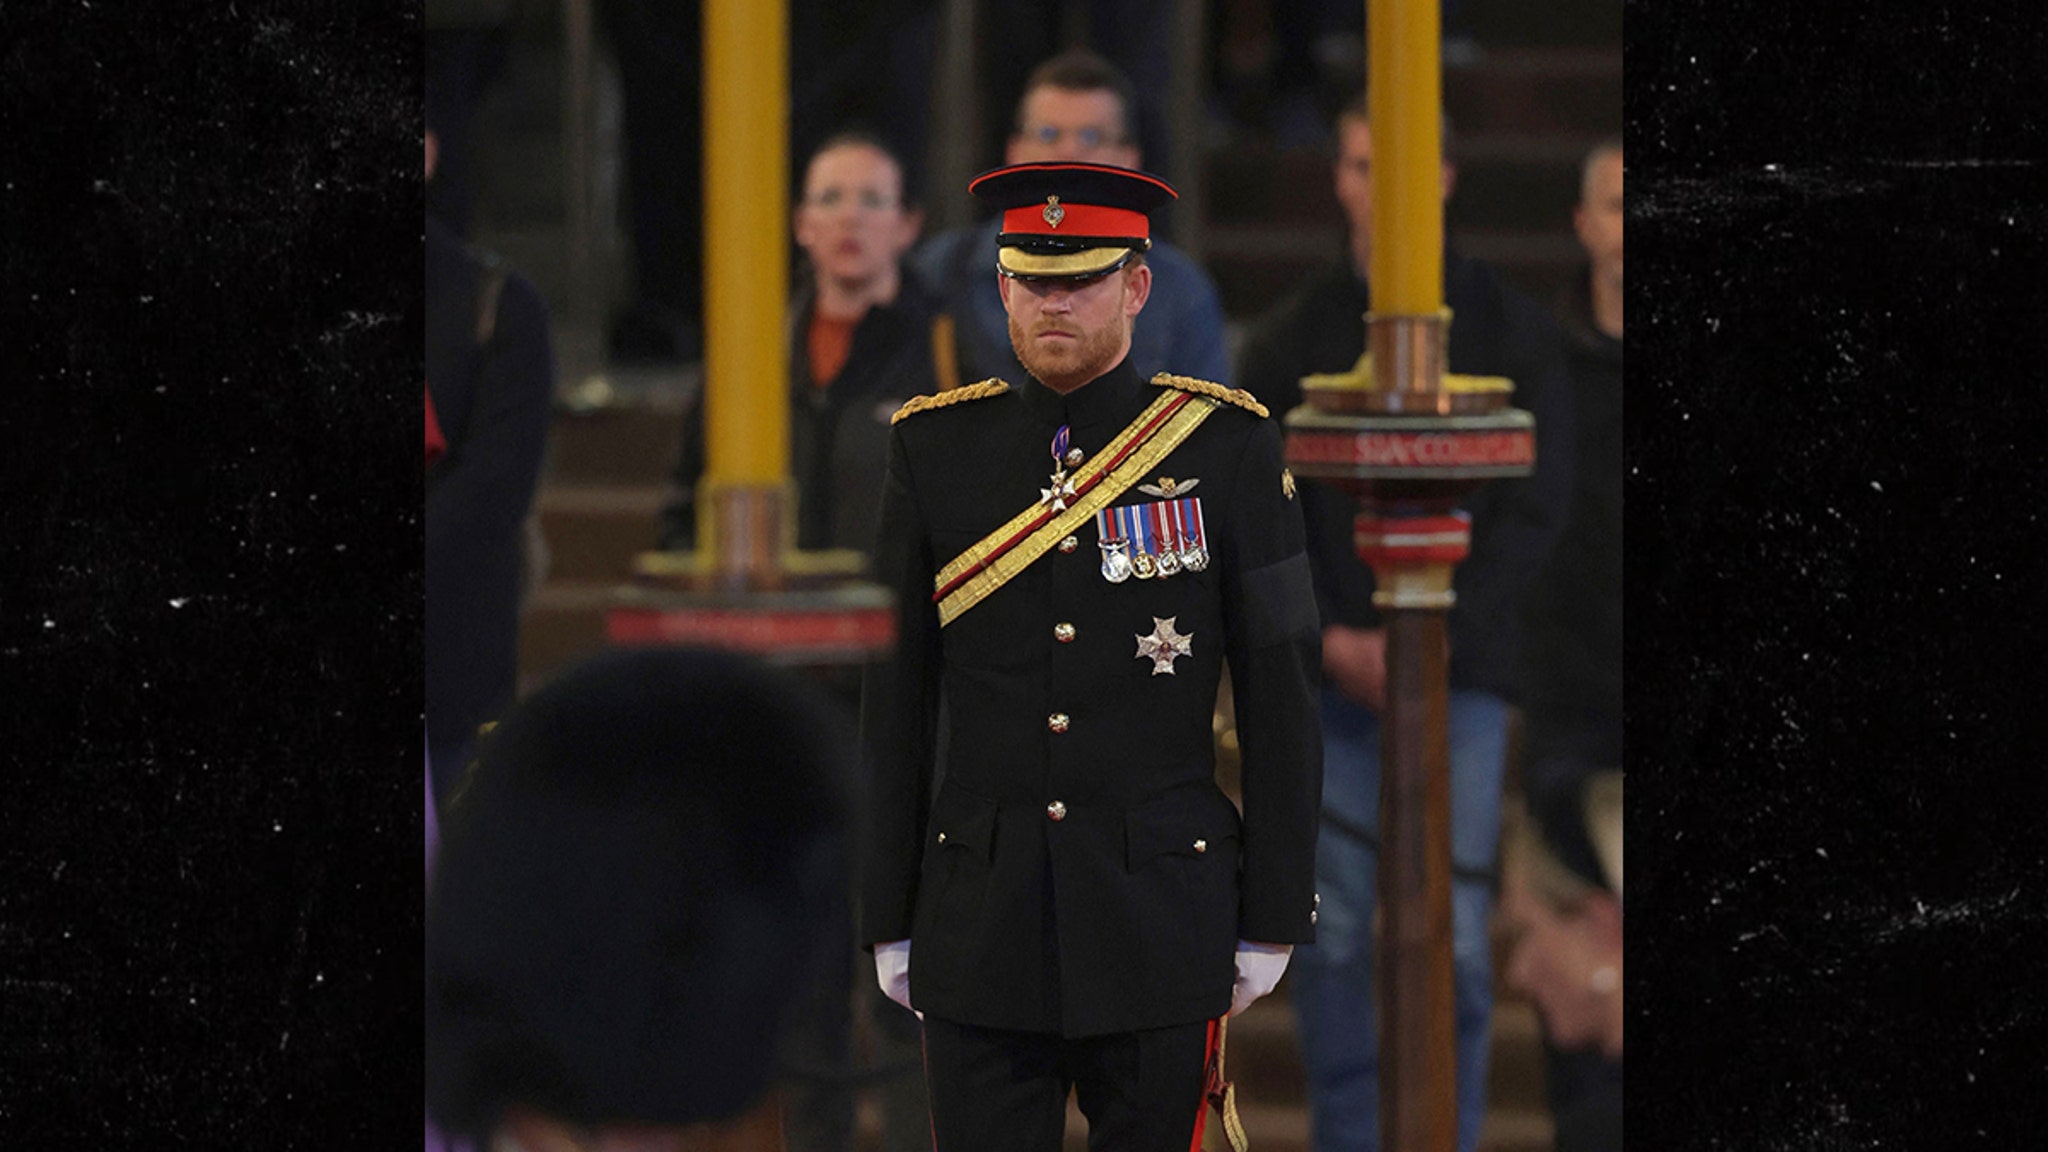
{"points": [[747, 588]]}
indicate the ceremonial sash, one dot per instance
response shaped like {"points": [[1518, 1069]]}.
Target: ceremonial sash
{"points": [[976, 573]]}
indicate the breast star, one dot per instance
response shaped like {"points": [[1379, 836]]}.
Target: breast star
{"points": [[1164, 645]]}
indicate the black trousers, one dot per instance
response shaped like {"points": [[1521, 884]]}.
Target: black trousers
{"points": [[999, 1091]]}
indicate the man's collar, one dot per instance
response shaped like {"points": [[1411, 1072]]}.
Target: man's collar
{"points": [[1104, 404]]}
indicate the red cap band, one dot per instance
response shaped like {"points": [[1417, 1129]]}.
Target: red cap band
{"points": [[1078, 220]]}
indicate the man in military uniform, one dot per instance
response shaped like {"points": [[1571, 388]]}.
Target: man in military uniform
{"points": [[1074, 559]]}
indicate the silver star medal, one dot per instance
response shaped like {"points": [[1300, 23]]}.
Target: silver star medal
{"points": [[1062, 488], [1164, 645]]}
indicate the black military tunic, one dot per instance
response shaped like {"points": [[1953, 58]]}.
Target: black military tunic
{"points": [[1077, 870]]}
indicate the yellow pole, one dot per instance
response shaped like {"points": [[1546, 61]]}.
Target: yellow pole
{"points": [[1403, 103], [746, 242]]}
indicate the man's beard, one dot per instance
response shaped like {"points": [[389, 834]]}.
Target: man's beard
{"points": [[1065, 367]]}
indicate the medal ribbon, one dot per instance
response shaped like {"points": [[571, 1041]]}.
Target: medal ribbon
{"points": [[976, 573], [1024, 523]]}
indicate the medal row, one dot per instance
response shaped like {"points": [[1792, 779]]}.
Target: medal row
{"points": [[1149, 540]]}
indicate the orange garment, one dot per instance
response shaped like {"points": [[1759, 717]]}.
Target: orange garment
{"points": [[829, 343]]}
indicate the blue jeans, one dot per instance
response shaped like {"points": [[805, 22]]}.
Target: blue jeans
{"points": [[1333, 978]]}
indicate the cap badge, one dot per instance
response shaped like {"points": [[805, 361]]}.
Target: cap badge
{"points": [[1053, 212]]}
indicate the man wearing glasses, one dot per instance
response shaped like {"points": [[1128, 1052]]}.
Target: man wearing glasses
{"points": [[1076, 108]]}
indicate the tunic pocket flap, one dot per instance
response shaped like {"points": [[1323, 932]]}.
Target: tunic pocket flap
{"points": [[1193, 822], [963, 821]]}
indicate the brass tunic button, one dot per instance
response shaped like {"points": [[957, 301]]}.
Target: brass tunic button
{"points": [[1074, 457], [942, 837], [1063, 632], [1201, 846], [1056, 811], [1070, 543], [1311, 917], [1057, 721]]}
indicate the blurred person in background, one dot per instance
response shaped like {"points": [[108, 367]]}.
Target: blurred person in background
{"points": [[1076, 107], [1494, 331], [490, 385], [1573, 714], [1574, 649], [466, 43], [625, 903], [860, 344], [1133, 37], [1561, 900]]}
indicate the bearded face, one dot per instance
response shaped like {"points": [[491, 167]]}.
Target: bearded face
{"points": [[1066, 332]]}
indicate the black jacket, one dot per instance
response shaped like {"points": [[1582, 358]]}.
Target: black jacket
{"points": [[1495, 331], [1574, 649], [492, 401], [839, 434], [1124, 913]]}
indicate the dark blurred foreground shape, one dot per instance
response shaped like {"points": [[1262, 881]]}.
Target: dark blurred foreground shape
{"points": [[630, 886]]}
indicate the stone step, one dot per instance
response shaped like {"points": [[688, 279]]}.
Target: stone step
{"points": [[595, 530], [563, 623], [616, 444]]}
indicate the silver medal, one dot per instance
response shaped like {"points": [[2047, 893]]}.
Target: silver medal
{"points": [[1116, 561]]}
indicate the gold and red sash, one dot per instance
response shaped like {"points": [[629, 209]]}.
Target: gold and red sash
{"points": [[975, 574]]}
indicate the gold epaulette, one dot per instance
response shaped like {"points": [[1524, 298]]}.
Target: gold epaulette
{"points": [[1237, 396], [951, 396]]}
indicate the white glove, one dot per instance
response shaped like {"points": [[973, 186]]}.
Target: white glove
{"points": [[1258, 970], [892, 972]]}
